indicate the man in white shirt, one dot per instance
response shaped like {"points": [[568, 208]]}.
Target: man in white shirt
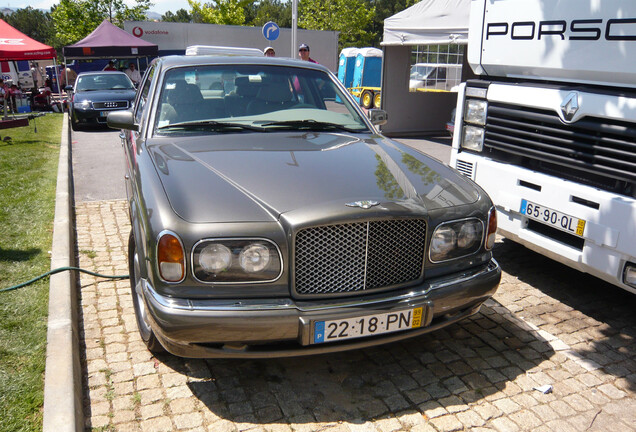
{"points": [[133, 73]]}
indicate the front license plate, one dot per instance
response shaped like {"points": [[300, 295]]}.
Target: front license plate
{"points": [[553, 218], [368, 325], [104, 113]]}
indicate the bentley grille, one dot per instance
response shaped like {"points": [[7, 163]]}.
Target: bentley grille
{"points": [[359, 256]]}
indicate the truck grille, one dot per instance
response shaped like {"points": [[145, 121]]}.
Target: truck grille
{"points": [[110, 105], [360, 256], [593, 151]]}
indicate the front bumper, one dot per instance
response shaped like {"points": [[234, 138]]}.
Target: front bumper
{"points": [[284, 327], [91, 116]]}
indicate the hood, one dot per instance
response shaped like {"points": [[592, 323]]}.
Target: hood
{"points": [[261, 176], [104, 95]]}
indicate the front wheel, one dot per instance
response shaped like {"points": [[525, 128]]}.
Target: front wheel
{"points": [[141, 311], [366, 99]]}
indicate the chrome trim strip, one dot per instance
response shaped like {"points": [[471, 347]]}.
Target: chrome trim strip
{"points": [[288, 304]]}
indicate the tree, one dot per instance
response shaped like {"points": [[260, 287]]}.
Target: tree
{"points": [[181, 15], [34, 23], [230, 12], [351, 18], [76, 19], [270, 10]]}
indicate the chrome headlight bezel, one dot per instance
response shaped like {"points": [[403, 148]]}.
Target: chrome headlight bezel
{"points": [[235, 273], [445, 249]]}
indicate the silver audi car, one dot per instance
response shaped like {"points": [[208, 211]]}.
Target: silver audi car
{"points": [[271, 218]]}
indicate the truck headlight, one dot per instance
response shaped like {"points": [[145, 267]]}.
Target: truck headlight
{"points": [[236, 261], [456, 239], [475, 111], [473, 138]]}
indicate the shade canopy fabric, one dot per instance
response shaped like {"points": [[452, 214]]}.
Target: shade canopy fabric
{"points": [[15, 45], [429, 22], [109, 41]]}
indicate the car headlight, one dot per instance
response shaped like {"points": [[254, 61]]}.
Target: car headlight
{"points": [[236, 261], [473, 138], [82, 105], [475, 111], [456, 239]]}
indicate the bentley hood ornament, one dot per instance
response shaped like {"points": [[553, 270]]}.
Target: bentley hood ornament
{"points": [[363, 204]]}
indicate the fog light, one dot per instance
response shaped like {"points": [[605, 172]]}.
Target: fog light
{"points": [[629, 275]]}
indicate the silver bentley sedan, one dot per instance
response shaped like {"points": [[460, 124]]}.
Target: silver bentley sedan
{"points": [[271, 218]]}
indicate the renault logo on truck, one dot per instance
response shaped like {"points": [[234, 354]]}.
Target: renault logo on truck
{"points": [[570, 106]]}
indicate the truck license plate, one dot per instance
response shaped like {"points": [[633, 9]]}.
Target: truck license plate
{"points": [[368, 325], [553, 218]]}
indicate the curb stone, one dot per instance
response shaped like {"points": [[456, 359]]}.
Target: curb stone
{"points": [[63, 397]]}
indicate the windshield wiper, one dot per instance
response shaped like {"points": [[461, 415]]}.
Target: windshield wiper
{"points": [[212, 124], [310, 124]]}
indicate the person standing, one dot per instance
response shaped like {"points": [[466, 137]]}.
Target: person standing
{"points": [[67, 76], [110, 66], [269, 52], [303, 51], [133, 74]]}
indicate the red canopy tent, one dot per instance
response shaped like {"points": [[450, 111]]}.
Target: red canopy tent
{"points": [[15, 45]]}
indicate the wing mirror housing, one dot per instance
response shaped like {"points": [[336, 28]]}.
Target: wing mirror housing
{"points": [[122, 120], [378, 117]]}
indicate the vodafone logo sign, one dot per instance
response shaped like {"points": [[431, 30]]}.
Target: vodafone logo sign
{"points": [[139, 32]]}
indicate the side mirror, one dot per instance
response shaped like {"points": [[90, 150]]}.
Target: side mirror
{"points": [[68, 88], [378, 117], [122, 120]]}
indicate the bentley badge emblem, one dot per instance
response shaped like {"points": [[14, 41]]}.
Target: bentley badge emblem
{"points": [[363, 204], [570, 106]]}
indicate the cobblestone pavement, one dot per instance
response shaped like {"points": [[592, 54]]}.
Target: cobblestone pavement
{"points": [[547, 325]]}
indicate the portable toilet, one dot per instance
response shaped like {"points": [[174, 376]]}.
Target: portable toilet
{"points": [[367, 76], [346, 64]]}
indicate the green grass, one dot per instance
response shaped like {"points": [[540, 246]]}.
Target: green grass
{"points": [[28, 171]]}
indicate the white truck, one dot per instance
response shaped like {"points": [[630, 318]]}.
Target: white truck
{"points": [[549, 128]]}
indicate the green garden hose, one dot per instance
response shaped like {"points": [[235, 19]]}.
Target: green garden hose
{"points": [[58, 270]]}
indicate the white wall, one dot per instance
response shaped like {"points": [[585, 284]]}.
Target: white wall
{"points": [[178, 36]]}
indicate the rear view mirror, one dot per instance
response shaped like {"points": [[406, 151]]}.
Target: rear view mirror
{"points": [[122, 120], [378, 117]]}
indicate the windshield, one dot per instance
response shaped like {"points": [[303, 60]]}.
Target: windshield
{"points": [[420, 72], [245, 98], [105, 81]]}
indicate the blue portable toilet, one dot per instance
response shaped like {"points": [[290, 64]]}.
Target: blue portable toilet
{"points": [[346, 64], [368, 68], [367, 74]]}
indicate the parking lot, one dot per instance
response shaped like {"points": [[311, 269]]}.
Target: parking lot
{"points": [[554, 350]]}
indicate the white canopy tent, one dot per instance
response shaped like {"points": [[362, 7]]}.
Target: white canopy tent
{"points": [[429, 22]]}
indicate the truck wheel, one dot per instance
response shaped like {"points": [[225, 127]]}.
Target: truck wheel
{"points": [[141, 310], [366, 99], [377, 99]]}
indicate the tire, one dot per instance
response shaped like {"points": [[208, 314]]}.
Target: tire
{"points": [[366, 99], [141, 311], [377, 100], [74, 124]]}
